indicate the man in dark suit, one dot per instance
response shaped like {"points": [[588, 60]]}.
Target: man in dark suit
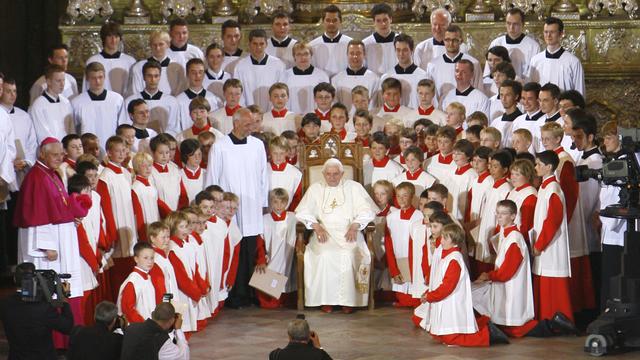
{"points": [[28, 325], [303, 344], [98, 342]]}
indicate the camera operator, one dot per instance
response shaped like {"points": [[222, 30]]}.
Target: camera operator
{"points": [[100, 341], [157, 338], [28, 325], [612, 229], [303, 344]]}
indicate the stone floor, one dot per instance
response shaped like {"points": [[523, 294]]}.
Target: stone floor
{"points": [[387, 333]]}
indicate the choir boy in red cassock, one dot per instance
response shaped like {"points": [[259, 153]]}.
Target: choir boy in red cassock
{"points": [[223, 117], [582, 293], [230, 260], [363, 122], [162, 273], [338, 116], [499, 164], [399, 246], [442, 164], [199, 109], [201, 273], [323, 96], [72, 151], [114, 188], [430, 144], [524, 195], [380, 167], [276, 247], [383, 195], [456, 114], [450, 293], [419, 178], [191, 173], [478, 190], [279, 118], [171, 189], [408, 137], [88, 246], [284, 175], [461, 179], [550, 244], [391, 107], [144, 195], [310, 128], [428, 102], [137, 296], [183, 258], [491, 138], [510, 301]]}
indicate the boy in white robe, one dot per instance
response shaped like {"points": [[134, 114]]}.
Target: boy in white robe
{"points": [[355, 74], [414, 174], [279, 119], [215, 75], [477, 191], [383, 195], [276, 248], [391, 103], [282, 174], [114, 188], [144, 195], [137, 296], [171, 78], [499, 163], [281, 44], [258, 71], [450, 293], [116, 64], [192, 174], [98, 110], [380, 167], [442, 165], [338, 117], [58, 55], [408, 73], [201, 272], [302, 79], [162, 270], [464, 92], [72, 151], [510, 92], [222, 119], [166, 177], [407, 138], [461, 179], [163, 108], [380, 45], [555, 64], [195, 76], [398, 245], [199, 110], [532, 113], [182, 257], [330, 48], [231, 257], [427, 102], [51, 112]]}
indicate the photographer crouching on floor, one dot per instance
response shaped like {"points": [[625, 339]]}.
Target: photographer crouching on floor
{"points": [[102, 341], [303, 343], [30, 314]]}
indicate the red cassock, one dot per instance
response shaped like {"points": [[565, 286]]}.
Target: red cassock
{"points": [[551, 294]]}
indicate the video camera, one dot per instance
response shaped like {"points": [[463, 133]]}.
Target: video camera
{"points": [[622, 170], [41, 285]]}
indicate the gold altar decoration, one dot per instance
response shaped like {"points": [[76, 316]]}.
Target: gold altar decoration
{"points": [[536, 7], [608, 47], [88, 10]]}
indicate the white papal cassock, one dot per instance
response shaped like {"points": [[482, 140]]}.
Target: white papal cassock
{"points": [[334, 269]]}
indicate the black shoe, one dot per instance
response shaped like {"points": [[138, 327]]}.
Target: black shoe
{"points": [[542, 330], [496, 336], [562, 324]]}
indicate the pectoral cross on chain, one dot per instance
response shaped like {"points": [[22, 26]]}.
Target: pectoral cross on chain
{"points": [[334, 204]]}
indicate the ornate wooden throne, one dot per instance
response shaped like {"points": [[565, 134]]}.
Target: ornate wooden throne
{"points": [[312, 157]]}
